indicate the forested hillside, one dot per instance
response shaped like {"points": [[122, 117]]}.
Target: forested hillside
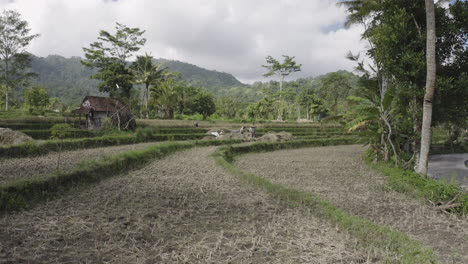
{"points": [[68, 79], [211, 80], [65, 78]]}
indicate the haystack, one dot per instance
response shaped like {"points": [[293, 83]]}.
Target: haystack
{"points": [[224, 133], [11, 137]]}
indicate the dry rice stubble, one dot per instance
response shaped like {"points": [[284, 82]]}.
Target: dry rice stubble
{"points": [[180, 209]]}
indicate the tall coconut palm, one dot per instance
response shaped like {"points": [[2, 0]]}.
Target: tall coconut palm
{"points": [[430, 87], [166, 95], [147, 73]]}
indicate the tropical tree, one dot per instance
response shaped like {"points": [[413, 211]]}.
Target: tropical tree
{"points": [[335, 86], [109, 55], [282, 70], [37, 99], [430, 87], [226, 107], [165, 97], [15, 36], [203, 103], [147, 73]]}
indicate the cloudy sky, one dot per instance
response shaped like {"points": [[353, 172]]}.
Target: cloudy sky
{"points": [[232, 36]]}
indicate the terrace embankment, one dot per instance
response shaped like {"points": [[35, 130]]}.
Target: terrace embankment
{"points": [[181, 209], [21, 168], [338, 174]]}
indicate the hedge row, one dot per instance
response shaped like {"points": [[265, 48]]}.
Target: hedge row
{"points": [[172, 130], [24, 193], [405, 249], [45, 134], [26, 126], [31, 148], [299, 129]]}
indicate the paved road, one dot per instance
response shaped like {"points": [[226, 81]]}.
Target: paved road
{"points": [[448, 165]]}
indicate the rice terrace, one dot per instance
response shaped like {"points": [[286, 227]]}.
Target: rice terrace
{"points": [[123, 153]]}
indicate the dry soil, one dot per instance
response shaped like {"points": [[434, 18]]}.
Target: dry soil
{"points": [[339, 175], [182, 209], [20, 168]]}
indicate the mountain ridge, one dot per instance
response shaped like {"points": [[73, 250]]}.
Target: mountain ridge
{"points": [[70, 80]]}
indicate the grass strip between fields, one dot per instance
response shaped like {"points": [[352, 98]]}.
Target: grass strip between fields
{"points": [[22, 194], [32, 149], [369, 233], [417, 186]]}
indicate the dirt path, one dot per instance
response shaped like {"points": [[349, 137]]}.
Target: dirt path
{"points": [[338, 175], [182, 209], [13, 169]]}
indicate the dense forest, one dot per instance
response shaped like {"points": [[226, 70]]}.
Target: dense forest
{"points": [[69, 80]]}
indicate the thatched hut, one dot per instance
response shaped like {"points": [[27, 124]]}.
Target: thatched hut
{"points": [[96, 109]]}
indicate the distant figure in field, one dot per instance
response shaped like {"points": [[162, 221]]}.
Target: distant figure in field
{"points": [[195, 124], [253, 132], [242, 130]]}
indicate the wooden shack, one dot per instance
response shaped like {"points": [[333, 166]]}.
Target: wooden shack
{"points": [[96, 109]]}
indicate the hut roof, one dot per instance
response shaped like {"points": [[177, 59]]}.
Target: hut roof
{"points": [[99, 104]]}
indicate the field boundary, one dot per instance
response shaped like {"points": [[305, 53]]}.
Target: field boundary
{"points": [[24, 193], [419, 187], [369, 233], [32, 149]]}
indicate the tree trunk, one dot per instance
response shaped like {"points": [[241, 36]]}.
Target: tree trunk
{"points": [[146, 101], [280, 110], [430, 87], [6, 82], [6, 98]]}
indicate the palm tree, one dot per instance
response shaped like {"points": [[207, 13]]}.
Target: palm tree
{"points": [[147, 73], [430, 87], [166, 95]]}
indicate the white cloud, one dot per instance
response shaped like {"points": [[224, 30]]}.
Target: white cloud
{"points": [[233, 36]]}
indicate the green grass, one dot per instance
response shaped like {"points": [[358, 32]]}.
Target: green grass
{"points": [[417, 186], [23, 194], [46, 133], [369, 233]]}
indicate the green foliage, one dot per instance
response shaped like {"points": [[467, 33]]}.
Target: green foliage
{"points": [[195, 76], [282, 69], [204, 104], [146, 73], [47, 133], [37, 99], [60, 131], [422, 187], [109, 55], [226, 107], [15, 37], [396, 31], [144, 133], [336, 86]]}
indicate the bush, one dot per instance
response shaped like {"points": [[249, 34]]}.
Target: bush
{"points": [[144, 134]]}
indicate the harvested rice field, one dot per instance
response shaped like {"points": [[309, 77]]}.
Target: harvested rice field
{"points": [[338, 174], [181, 209], [21, 168]]}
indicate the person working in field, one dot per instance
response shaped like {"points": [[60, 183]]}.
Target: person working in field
{"points": [[253, 132]]}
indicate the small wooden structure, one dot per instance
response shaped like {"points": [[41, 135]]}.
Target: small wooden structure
{"points": [[96, 109]]}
